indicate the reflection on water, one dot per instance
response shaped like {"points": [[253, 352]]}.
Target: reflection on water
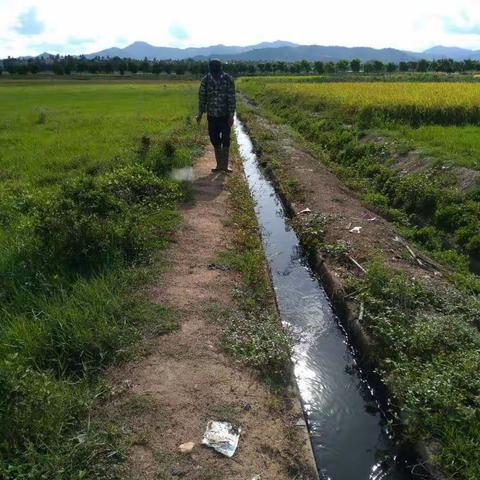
{"points": [[347, 429], [179, 174]]}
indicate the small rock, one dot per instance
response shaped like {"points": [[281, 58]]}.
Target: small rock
{"points": [[186, 447], [301, 423]]}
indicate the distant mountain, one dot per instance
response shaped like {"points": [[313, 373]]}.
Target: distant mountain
{"points": [[283, 51], [276, 44], [140, 50], [110, 52], [45, 55], [42, 56], [321, 53], [438, 52]]}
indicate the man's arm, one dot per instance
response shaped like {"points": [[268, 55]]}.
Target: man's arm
{"points": [[231, 98], [202, 98]]}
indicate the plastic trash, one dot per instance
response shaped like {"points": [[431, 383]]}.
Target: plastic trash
{"points": [[306, 210], [355, 230], [222, 437], [218, 266]]}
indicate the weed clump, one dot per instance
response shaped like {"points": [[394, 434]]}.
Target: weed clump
{"points": [[42, 118], [94, 220], [169, 149]]}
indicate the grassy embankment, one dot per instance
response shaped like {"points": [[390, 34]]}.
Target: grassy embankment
{"points": [[85, 207], [425, 338]]}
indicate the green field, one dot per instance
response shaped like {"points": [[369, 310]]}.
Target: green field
{"points": [[85, 204], [49, 131]]}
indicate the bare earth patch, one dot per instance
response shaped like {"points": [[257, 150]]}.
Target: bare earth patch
{"points": [[187, 380]]}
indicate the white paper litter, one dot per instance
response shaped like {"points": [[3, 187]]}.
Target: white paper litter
{"points": [[355, 230], [306, 210], [222, 436]]}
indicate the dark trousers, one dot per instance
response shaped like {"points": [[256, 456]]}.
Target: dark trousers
{"points": [[219, 131]]}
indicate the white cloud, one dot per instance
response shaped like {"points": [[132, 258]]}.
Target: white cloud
{"points": [[28, 23], [378, 23], [178, 33]]}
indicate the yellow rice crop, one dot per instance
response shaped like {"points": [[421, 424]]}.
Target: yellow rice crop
{"points": [[443, 103], [361, 95]]}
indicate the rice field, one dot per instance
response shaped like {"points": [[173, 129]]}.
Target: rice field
{"points": [[439, 118], [377, 102], [50, 131], [361, 95]]}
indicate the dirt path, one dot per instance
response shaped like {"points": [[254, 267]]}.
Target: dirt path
{"points": [[187, 380]]}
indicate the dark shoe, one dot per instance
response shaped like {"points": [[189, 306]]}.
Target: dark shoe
{"points": [[227, 170], [216, 170], [224, 158]]}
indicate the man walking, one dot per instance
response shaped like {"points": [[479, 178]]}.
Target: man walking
{"points": [[217, 99]]}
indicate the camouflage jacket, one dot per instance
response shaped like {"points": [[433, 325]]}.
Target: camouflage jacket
{"points": [[217, 98]]}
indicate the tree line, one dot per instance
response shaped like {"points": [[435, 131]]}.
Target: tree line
{"points": [[67, 65]]}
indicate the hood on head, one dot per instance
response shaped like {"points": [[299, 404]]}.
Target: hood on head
{"points": [[215, 66]]}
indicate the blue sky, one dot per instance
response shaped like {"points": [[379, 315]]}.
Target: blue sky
{"points": [[29, 27]]}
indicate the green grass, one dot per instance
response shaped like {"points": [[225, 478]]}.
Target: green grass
{"points": [[86, 204], [454, 145]]}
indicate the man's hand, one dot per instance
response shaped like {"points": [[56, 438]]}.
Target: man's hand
{"points": [[230, 122], [198, 118]]}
